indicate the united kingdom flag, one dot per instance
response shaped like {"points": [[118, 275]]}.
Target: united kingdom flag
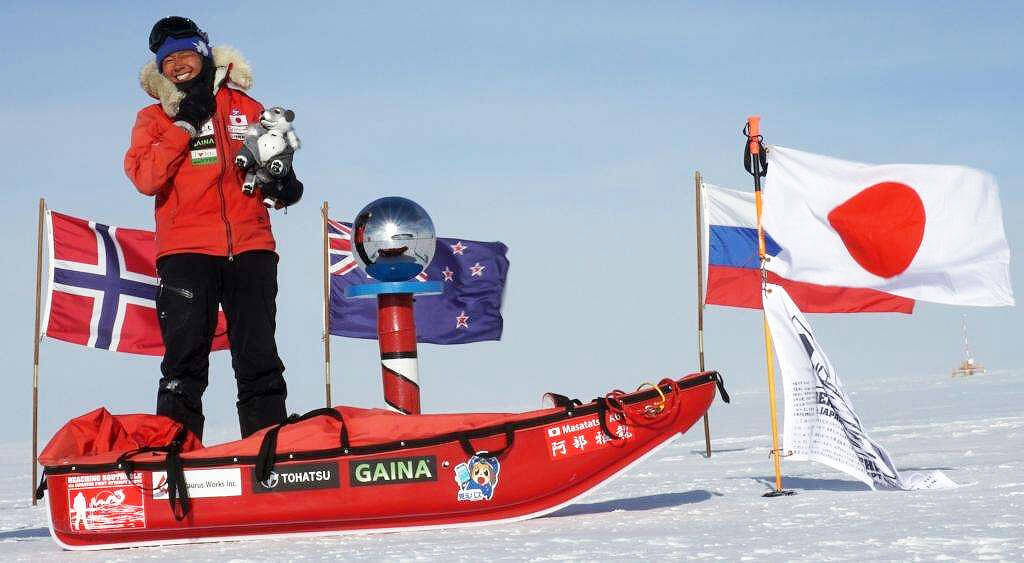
{"points": [[340, 236], [103, 287]]}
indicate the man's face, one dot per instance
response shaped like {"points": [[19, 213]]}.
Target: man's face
{"points": [[182, 66]]}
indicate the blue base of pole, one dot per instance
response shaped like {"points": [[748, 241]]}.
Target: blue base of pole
{"points": [[375, 289]]}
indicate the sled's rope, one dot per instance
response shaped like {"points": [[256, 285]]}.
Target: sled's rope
{"points": [[268, 448], [177, 489], [647, 414], [653, 410]]}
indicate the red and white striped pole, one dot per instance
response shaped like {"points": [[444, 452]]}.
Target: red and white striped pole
{"points": [[393, 241], [396, 333]]}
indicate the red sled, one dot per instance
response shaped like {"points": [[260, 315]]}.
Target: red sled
{"points": [[134, 480]]}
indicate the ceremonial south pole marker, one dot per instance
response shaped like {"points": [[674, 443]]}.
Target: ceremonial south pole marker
{"points": [[393, 241], [396, 334]]}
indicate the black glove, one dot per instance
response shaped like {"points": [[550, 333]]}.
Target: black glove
{"points": [[286, 192], [198, 104], [196, 108]]}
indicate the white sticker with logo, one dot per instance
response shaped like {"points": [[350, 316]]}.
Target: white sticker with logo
{"points": [[206, 129], [204, 146], [203, 483], [106, 501], [238, 124]]}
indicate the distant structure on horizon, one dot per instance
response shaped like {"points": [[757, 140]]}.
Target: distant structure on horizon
{"points": [[968, 366]]}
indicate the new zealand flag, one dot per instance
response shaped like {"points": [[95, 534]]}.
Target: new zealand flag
{"points": [[103, 287], [468, 310]]}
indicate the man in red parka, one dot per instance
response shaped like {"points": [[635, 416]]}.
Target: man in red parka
{"points": [[214, 243]]}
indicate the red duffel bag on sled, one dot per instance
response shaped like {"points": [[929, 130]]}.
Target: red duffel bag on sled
{"points": [[132, 480]]}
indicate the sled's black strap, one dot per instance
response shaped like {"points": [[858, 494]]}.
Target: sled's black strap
{"points": [[602, 415], [177, 489], [562, 401], [720, 383], [42, 486], [346, 446], [268, 448], [510, 438]]}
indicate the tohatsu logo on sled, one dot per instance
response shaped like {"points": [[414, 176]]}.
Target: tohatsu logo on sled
{"points": [[298, 477]]}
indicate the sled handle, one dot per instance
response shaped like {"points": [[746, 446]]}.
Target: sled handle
{"points": [[510, 438], [268, 447]]}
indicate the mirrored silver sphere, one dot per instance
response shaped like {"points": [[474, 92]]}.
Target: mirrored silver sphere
{"points": [[393, 239]]}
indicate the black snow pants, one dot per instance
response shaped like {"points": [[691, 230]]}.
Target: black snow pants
{"points": [[191, 288]]}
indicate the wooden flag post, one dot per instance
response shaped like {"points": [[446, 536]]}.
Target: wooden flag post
{"points": [[755, 161], [700, 301], [327, 305], [36, 337]]}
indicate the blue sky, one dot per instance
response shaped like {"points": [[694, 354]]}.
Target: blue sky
{"points": [[570, 131]]}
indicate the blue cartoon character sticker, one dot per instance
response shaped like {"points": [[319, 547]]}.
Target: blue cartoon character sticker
{"points": [[477, 478]]}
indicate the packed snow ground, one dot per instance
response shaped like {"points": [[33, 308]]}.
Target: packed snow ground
{"points": [[680, 505]]}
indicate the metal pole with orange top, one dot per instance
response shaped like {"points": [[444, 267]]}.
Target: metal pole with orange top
{"points": [[756, 162]]}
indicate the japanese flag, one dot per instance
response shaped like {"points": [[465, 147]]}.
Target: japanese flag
{"points": [[927, 232]]}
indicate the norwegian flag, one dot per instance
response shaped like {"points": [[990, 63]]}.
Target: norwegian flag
{"points": [[103, 287], [473, 274]]}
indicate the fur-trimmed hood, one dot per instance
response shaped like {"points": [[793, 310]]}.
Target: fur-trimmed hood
{"points": [[230, 65]]}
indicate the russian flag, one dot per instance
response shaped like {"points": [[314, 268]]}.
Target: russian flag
{"points": [[732, 269]]}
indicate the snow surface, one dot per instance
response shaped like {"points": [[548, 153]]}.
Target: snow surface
{"points": [[680, 505]]}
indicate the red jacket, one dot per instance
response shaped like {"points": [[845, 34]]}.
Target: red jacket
{"points": [[200, 206]]}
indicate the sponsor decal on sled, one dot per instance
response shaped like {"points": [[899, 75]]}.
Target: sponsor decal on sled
{"points": [[578, 437], [393, 470], [108, 501], [477, 478], [203, 483], [298, 477]]}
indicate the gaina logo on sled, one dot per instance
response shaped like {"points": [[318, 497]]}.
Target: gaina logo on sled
{"points": [[478, 477], [298, 477], [392, 470]]}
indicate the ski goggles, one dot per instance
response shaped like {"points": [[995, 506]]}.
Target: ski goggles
{"points": [[176, 27]]}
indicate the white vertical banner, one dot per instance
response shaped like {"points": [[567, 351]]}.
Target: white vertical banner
{"points": [[820, 423]]}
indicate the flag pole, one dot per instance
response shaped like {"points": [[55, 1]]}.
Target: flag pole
{"points": [[700, 300], [756, 162], [35, 349], [327, 305]]}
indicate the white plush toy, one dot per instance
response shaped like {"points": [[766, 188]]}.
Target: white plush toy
{"points": [[267, 150]]}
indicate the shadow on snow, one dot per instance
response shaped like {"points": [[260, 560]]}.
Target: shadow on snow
{"points": [[806, 484], [718, 451], [24, 533], [647, 502]]}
